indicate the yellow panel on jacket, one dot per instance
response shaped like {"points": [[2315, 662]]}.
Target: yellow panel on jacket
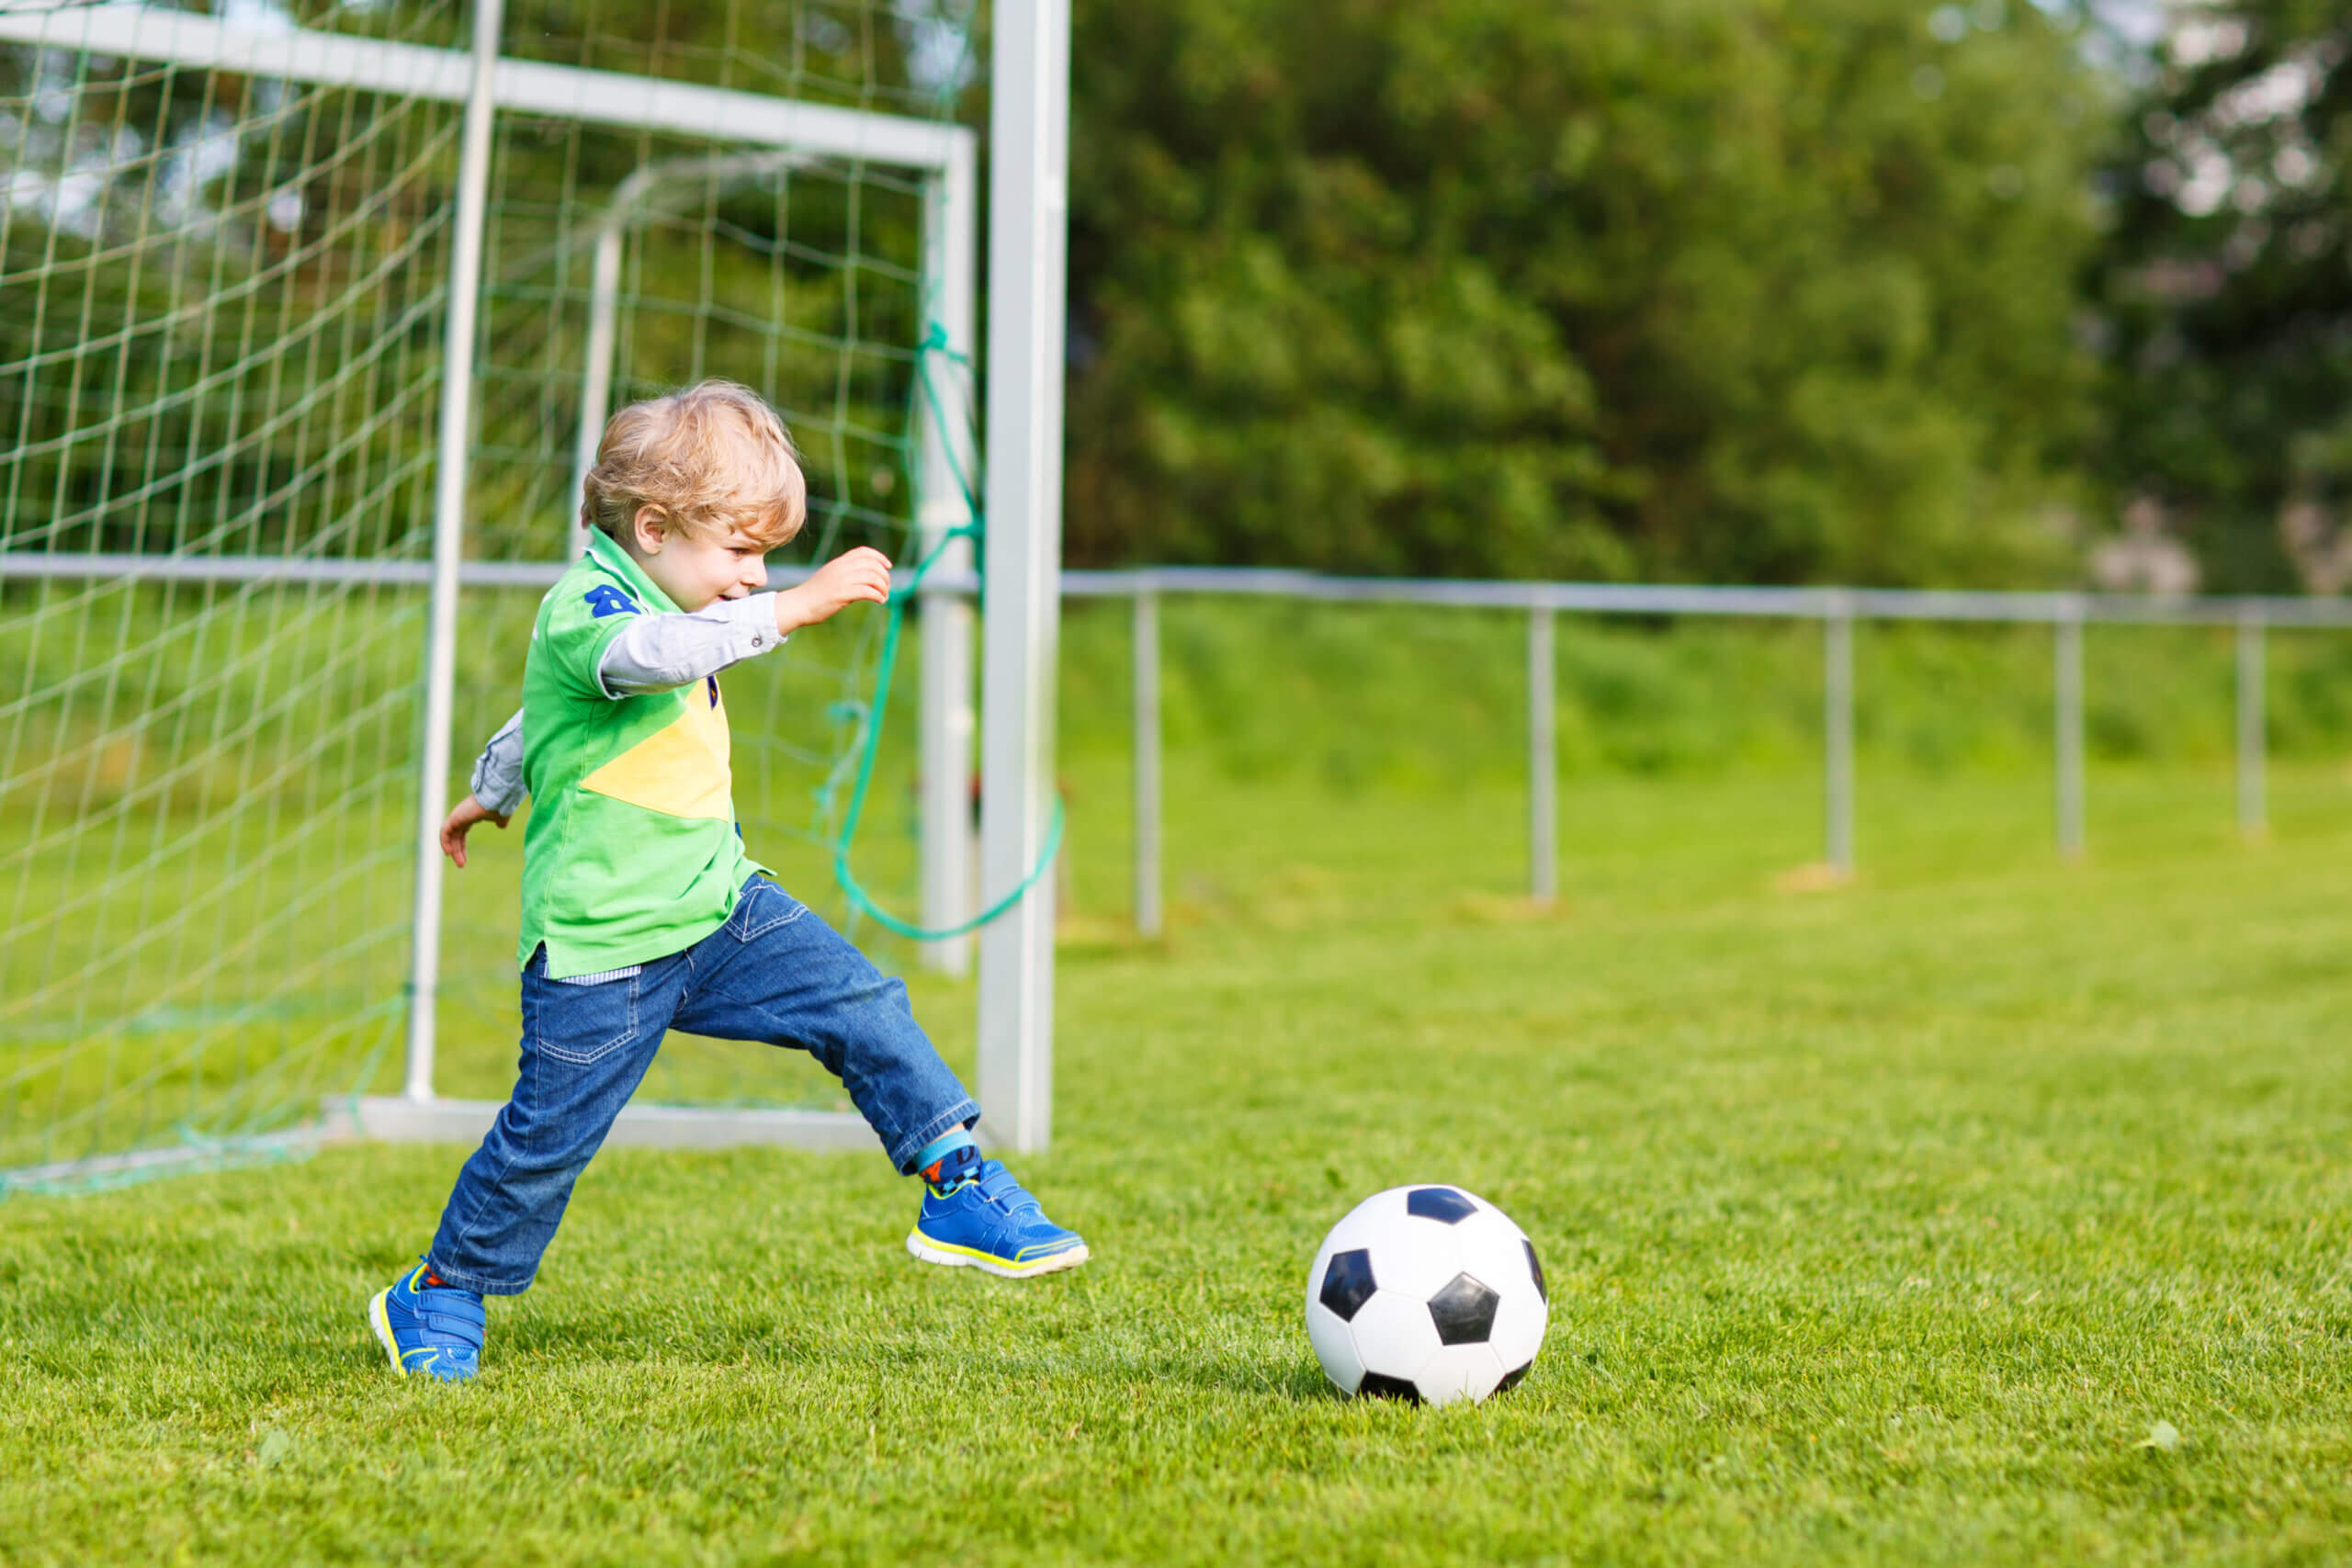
{"points": [[680, 770]]}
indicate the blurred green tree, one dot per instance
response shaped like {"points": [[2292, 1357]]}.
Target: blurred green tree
{"points": [[2227, 289], [1728, 289], [1732, 290]]}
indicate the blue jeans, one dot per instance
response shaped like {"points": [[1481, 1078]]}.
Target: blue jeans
{"points": [[775, 972]]}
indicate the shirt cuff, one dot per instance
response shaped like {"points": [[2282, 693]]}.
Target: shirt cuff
{"points": [[496, 782], [752, 619]]}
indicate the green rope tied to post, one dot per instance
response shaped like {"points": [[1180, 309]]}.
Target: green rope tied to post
{"points": [[934, 340]]}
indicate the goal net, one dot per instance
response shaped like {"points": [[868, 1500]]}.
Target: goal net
{"points": [[226, 253]]}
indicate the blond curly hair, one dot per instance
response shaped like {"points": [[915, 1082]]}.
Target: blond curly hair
{"points": [[710, 459]]}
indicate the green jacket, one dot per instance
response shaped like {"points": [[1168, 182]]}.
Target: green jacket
{"points": [[632, 852]]}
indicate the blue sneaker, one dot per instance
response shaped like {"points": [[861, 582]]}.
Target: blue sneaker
{"points": [[433, 1329], [984, 1219]]}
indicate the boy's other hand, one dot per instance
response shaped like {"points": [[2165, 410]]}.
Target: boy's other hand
{"points": [[453, 832], [860, 575]]}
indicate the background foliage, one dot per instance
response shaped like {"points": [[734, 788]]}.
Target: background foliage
{"points": [[1866, 290], [1743, 291], [2226, 289]]}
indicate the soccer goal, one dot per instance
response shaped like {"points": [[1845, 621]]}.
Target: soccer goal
{"points": [[307, 314]]}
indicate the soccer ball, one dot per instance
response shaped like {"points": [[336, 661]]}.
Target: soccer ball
{"points": [[1425, 1293]]}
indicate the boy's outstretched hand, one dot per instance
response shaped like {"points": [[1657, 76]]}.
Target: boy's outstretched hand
{"points": [[860, 575], [453, 832]]}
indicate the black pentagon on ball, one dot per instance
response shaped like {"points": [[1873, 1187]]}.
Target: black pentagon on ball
{"points": [[1376, 1386], [1463, 1310], [1535, 1268], [1348, 1284], [1513, 1379], [1442, 1204]]}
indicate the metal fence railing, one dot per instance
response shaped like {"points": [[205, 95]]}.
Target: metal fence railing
{"points": [[1836, 609]]}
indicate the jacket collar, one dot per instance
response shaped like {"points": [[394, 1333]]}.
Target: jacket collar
{"points": [[607, 553]]}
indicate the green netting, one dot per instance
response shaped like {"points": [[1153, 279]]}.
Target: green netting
{"points": [[221, 307]]}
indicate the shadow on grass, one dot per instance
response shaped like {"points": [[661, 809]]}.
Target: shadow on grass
{"points": [[1295, 1382], [574, 1340]]}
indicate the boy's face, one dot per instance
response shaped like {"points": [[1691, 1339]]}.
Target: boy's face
{"points": [[698, 573]]}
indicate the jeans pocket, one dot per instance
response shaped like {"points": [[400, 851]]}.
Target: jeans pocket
{"points": [[581, 1024], [760, 908]]}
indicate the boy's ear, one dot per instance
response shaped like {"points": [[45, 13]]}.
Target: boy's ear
{"points": [[651, 525]]}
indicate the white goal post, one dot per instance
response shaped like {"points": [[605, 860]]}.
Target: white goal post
{"points": [[1023, 476]]}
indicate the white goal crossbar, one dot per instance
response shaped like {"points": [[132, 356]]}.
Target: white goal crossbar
{"points": [[444, 75]]}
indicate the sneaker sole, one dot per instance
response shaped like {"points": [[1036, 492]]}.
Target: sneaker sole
{"points": [[380, 1321], [960, 1257]]}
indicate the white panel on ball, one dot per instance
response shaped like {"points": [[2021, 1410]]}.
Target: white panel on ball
{"points": [[1394, 1335], [1418, 1259], [1335, 1347], [1459, 1373], [1518, 1333], [1497, 1253]]}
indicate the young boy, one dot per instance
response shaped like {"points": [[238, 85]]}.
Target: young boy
{"points": [[641, 912]]}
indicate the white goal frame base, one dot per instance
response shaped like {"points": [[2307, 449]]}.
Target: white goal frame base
{"points": [[396, 1119]]}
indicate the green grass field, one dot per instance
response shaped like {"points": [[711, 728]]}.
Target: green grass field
{"points": [[1989, 1210]]}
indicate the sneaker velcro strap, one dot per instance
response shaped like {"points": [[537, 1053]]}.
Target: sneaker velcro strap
{"points": [[457, 1315], [458, 1304], [459, 1322], [999, 1185]]}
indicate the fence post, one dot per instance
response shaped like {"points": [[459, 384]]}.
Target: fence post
{"points": [[1838, 738], [2253, 814], [1542, 759], [1146, 763], [2068, 680], [449, 544]]}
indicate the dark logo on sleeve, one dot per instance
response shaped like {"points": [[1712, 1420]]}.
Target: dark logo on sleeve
{"points": [[606, 599]]}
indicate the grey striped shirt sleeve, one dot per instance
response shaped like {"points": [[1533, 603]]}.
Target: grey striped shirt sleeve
{"points": [[660, 653], [498, 772], [656, 653]]}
